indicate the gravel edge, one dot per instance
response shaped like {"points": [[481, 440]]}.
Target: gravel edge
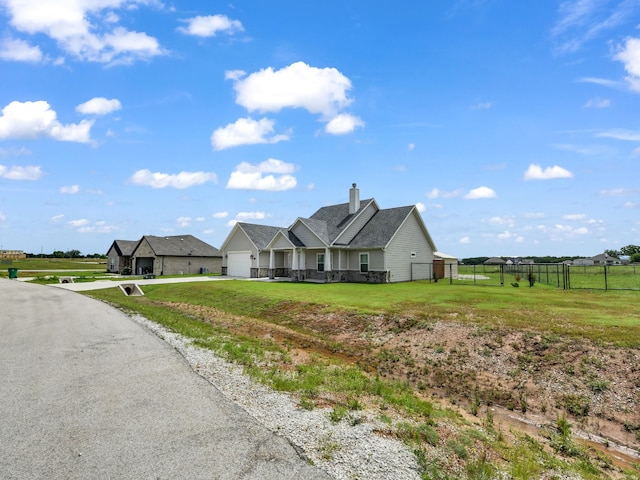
{"points": [[342, 450]]}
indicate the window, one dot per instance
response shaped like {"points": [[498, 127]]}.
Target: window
{"points": [[321, 262], [364, 262]]}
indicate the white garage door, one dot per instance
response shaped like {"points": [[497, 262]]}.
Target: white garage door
{"points": [[239, 264]]}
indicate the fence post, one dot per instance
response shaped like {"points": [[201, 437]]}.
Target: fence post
{"points": [[606, 283]]}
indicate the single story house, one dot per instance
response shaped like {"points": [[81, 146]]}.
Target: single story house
{"points": [[169, 255], [356, 241], [495, 261], [119, 256], [604, 259]]}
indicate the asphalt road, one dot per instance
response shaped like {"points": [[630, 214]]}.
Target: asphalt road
{"points": [[87, 393]]}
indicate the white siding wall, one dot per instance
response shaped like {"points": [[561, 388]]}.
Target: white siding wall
{"points": [[409, 238]]}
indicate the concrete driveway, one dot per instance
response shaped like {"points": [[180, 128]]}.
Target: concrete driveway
{"points": [[88, 393]]}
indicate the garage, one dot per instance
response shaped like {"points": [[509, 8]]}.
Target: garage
{"points": [[239, 264]]}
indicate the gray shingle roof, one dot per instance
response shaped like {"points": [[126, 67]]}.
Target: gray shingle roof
{"points": [[260, 235], [379, 231], [181, 246], [125, 248], [336, 218]]}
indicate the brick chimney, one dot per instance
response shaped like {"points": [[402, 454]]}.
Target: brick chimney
{"points": [[354, 199]]}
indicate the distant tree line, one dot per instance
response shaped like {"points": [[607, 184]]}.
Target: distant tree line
{"points": [[67, 254], [632, 251]]}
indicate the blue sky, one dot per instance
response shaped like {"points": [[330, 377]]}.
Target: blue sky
{"points": [[513, 126]]}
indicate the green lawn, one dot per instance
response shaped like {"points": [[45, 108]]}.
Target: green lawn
{"points": [[609, 317]]}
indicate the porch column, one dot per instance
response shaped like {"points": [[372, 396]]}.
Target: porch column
{"points": [[294, 265], [327, 260], [272, 261]]}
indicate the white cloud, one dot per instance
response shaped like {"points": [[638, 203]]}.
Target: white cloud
{"points": [[57, 218], [583, 20], [99, 106], [78, 223], [210, 25], [183, 222], [343, 123], [465, 240], [98, 227], [318, 90], [629, 54], [231, 223], [437, 193], [19, 51], [421, 207], [506, 220], [71, 189], [220, 215], [251, 216], [251, 177], [569, 230], [411, 147], [574, 216], [507, 235], [246, 131], [621, 134], [605, 82], [479, 193], [180, 180], [36, 119], [85, 29], [598, 102], [535, 172], [534, 215], [31, 172]]}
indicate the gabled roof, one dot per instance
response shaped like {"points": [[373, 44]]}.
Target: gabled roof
{"points": [[260, 235], [289, 235], [336, 218], [180, 246], [379, 231], [124, 248]]}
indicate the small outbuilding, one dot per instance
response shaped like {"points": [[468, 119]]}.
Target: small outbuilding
{"points": [[449, 265]]}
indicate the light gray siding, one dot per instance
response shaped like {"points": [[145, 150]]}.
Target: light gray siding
{"points": [[239, 242], [353, 229], [376, 260], [306, 236], [409, 239]]}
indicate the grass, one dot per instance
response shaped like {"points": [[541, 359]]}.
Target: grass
{"points": [[609, 317], [326, 379]]}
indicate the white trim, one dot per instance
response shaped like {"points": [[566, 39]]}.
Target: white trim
{"points": [[360, 262]]}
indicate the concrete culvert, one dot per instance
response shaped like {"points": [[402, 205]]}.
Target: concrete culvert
{"points": [[131, 289]]}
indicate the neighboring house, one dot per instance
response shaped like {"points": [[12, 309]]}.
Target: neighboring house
{"points": [[494, 261], [175, 255], [119, 256], [604, 259], [355, 241], [582, 262], [448, 263]]}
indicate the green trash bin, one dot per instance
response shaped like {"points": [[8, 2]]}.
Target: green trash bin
{"points": [[13, 273]]}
